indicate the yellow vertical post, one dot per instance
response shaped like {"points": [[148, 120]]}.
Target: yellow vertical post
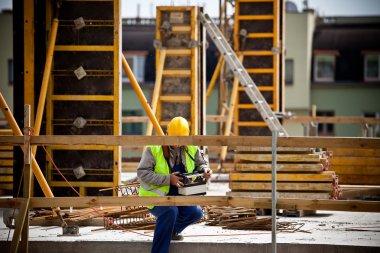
{"points": [[194, 72], [157, 87], [231, 110], [117, 91], [29, 54], [214, 77], [141, 96], [45, 81]]}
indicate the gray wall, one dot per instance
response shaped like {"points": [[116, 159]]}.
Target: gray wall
{"points": [[6, 53]]}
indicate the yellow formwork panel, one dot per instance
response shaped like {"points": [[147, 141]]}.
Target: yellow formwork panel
{"points": [[88, 100], [261, 20]]}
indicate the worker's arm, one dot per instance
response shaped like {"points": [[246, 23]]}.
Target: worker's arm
{"points": [[145, 170], [201, 164]]}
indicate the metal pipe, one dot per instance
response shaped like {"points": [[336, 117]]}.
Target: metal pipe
{"points": [[141, 96], [274, 190], [157, 88], [45, 81], [214, 77]]}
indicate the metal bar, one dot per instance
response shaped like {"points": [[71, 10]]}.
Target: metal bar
{"points": [[141, 97], [274, 190], [157, 87], [231, 110], [45, 81], [214, 77]]}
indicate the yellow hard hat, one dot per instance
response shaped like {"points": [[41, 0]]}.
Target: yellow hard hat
{"points": [[178, 126]]}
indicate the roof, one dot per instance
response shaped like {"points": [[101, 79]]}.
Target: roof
{"points": [[350, 37]]}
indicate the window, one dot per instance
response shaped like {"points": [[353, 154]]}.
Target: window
{"points": [[324, 67], [371, 67], [325, 129], [137, 64], [10, 71], [132, 128], [289, 71]]}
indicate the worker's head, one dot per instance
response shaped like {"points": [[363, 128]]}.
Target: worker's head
{"points": [[178, 126]]}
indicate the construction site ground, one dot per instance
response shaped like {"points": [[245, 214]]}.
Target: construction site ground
{"points": [[325, 231]]}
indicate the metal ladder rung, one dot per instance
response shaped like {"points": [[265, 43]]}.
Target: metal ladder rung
{"points": [[245, 79]]}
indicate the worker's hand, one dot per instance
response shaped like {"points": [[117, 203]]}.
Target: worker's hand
{"points": [[176, 180], [207, 173]]}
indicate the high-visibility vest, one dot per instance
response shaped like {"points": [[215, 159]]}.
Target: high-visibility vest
{"points": [[162, 167]]}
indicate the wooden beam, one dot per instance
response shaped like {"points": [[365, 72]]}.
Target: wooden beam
{"points": [[355, 152], [282, 177], [367, 161], [280, 157], [359, 179], [296, 204], [346, 120], [281, 186], [136, 140], [267, 167], [355, 169]]}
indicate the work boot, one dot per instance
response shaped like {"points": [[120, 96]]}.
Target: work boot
{"points": [[177, 236]]}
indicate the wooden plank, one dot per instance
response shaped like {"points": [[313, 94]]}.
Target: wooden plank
{"points": [[297, 204], [255, 141], [6, 148], [355, 152], [280, 157], [368, 161], [281, 186], [269, 149], [359, 179], [6, 179], [293, 195], [355, 170], [6, 171], [346, 120], [6, 186], [281, 177], [6, 154], [261, 167], [6, 162]]}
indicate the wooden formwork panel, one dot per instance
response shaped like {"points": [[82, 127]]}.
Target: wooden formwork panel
{"points": [[356, 166], [300, 171], [6, 165], [260, 21], [88, 104]]}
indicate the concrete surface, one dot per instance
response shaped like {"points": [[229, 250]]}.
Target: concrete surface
{"points": [[325, 232]]}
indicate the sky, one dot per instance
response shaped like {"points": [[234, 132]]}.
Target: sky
{"points": [[323, 7]]}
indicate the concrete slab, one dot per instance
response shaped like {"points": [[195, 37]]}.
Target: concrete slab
{"points": [[325, 232]]}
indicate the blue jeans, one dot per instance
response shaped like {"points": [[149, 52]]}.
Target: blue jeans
{"points": [[172, 219]]}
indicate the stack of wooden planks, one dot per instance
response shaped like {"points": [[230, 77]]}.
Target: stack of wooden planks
{"points": [[356, 166], [6, 166], [301, 173]]}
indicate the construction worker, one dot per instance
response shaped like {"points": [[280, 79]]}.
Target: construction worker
{"points": [[158, 174]]}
